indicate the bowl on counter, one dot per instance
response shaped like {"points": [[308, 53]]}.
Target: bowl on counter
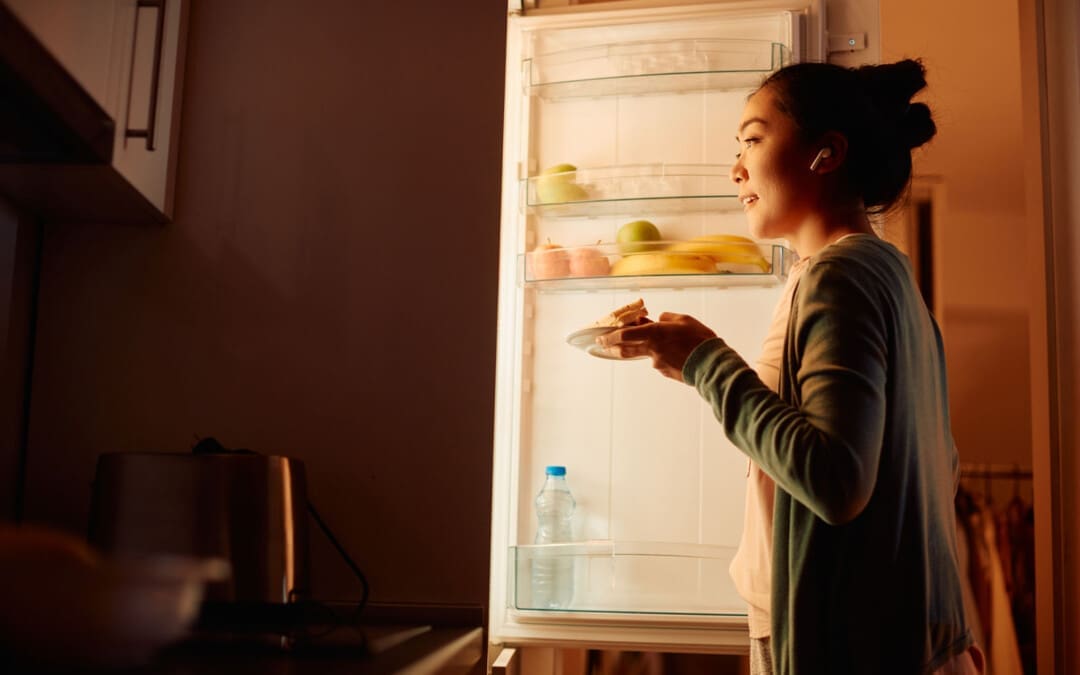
{"points": [[69, 606]]}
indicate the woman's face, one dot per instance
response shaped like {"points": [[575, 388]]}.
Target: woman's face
{"points": [[772, 170]]}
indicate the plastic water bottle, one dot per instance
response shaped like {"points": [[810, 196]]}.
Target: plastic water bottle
{"points": [[553, 575]]}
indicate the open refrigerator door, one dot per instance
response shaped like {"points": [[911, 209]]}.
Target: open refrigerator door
{"points": [[614, 117]]}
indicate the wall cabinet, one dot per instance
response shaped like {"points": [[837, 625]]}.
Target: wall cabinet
{"points": [[126, 57]]}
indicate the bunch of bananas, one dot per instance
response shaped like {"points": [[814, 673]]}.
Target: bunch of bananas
{"points": [[660, 262], [730, 252], [701, 255]]}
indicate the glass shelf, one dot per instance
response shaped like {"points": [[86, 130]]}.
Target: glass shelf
{"points": [[632, 189], [629, 578], [664, 264], [652, 67]]}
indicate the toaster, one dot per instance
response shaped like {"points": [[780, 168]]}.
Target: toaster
{"points": [[246, 508]]}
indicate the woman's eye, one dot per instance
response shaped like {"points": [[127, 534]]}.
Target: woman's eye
{"points": [[746, 143]]}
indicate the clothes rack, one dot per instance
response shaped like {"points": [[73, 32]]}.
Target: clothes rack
{"points": [[998, 562], [991, 471]]}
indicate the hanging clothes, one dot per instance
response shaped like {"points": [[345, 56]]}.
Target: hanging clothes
{"points": [[989, 589], [1004, 651], [1019, 520], [970, 514], [963, 559]]}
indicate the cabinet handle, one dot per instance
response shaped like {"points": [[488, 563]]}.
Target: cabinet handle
{"points": [[151, 118]]}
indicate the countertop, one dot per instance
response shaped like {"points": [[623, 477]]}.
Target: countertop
{"points": [[383, 638], [422, 649]]}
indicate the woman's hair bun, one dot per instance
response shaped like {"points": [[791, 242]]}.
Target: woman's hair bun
{"points": [[889, 87], [916, 126]]}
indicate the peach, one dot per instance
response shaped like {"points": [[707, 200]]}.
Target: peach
{"points": [[586, 261], [547, 261]]}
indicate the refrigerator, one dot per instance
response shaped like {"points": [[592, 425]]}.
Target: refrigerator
{"points": [[620, 112]]}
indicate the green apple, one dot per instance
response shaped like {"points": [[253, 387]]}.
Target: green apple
{"points": [[556, 185], [633, 236], [558, 193], [564, 171]]}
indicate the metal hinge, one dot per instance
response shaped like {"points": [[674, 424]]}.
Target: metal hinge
{"points": [[846, 42]]}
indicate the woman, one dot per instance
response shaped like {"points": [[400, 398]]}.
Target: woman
{"points": [[857, 437]]}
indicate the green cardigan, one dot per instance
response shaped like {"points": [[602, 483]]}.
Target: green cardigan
{"points": [[858, 441]]}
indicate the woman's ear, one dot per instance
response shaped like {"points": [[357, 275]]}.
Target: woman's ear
{"points": [[831, 153]]}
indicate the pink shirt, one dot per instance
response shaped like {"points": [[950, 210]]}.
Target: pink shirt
{"points": [[751, 568]]}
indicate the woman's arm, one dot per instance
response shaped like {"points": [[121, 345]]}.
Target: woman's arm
{"points": [[825, 449]]}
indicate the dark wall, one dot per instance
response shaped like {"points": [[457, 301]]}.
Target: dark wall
{"points": [[327, 290], [19, 244]]}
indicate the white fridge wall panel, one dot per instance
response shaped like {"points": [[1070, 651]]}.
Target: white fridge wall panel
{"points": [[576, 131], [660, 129], [721, 123], [742, 320], [646, 459], [570, 407], [692, 128], [578, 232], [655, 464]]}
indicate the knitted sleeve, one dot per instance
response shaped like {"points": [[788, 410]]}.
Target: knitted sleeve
{"points": [[823, 446]]}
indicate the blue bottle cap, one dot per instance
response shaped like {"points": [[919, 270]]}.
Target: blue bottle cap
{"points": [[555, 470]]}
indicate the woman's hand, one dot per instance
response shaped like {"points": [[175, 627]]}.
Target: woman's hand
{"points": [[668, 341]]}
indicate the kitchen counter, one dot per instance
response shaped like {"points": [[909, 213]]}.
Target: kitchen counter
{"points": [[421, 649], [385, 638]]}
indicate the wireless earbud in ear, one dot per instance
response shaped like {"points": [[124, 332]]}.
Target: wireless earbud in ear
{"points": [[823, 153]]}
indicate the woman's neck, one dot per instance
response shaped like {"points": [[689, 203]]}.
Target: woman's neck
{"points": [[826, 228]]}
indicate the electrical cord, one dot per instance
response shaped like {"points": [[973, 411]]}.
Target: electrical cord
{"points": [[345, 556], [211, 446]]}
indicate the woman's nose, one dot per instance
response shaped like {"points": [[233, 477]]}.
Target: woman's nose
{"points": [[738, 173]]}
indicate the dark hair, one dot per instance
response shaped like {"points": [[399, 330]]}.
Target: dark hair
{"points": [[871, 106]]}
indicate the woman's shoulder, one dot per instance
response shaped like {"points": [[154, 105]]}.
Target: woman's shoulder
{"points": [[858, 255], [858, 264], [858, 244]]}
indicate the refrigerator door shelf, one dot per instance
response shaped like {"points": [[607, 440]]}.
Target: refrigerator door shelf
{"points": [[612, 190], [652, 67], [626, 206], [629, 578], [538, 269]]}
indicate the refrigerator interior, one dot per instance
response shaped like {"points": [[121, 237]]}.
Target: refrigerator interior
{"points": [[645, 106]]}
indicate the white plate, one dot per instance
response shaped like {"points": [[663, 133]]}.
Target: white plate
{"points": [[585, 339]]}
